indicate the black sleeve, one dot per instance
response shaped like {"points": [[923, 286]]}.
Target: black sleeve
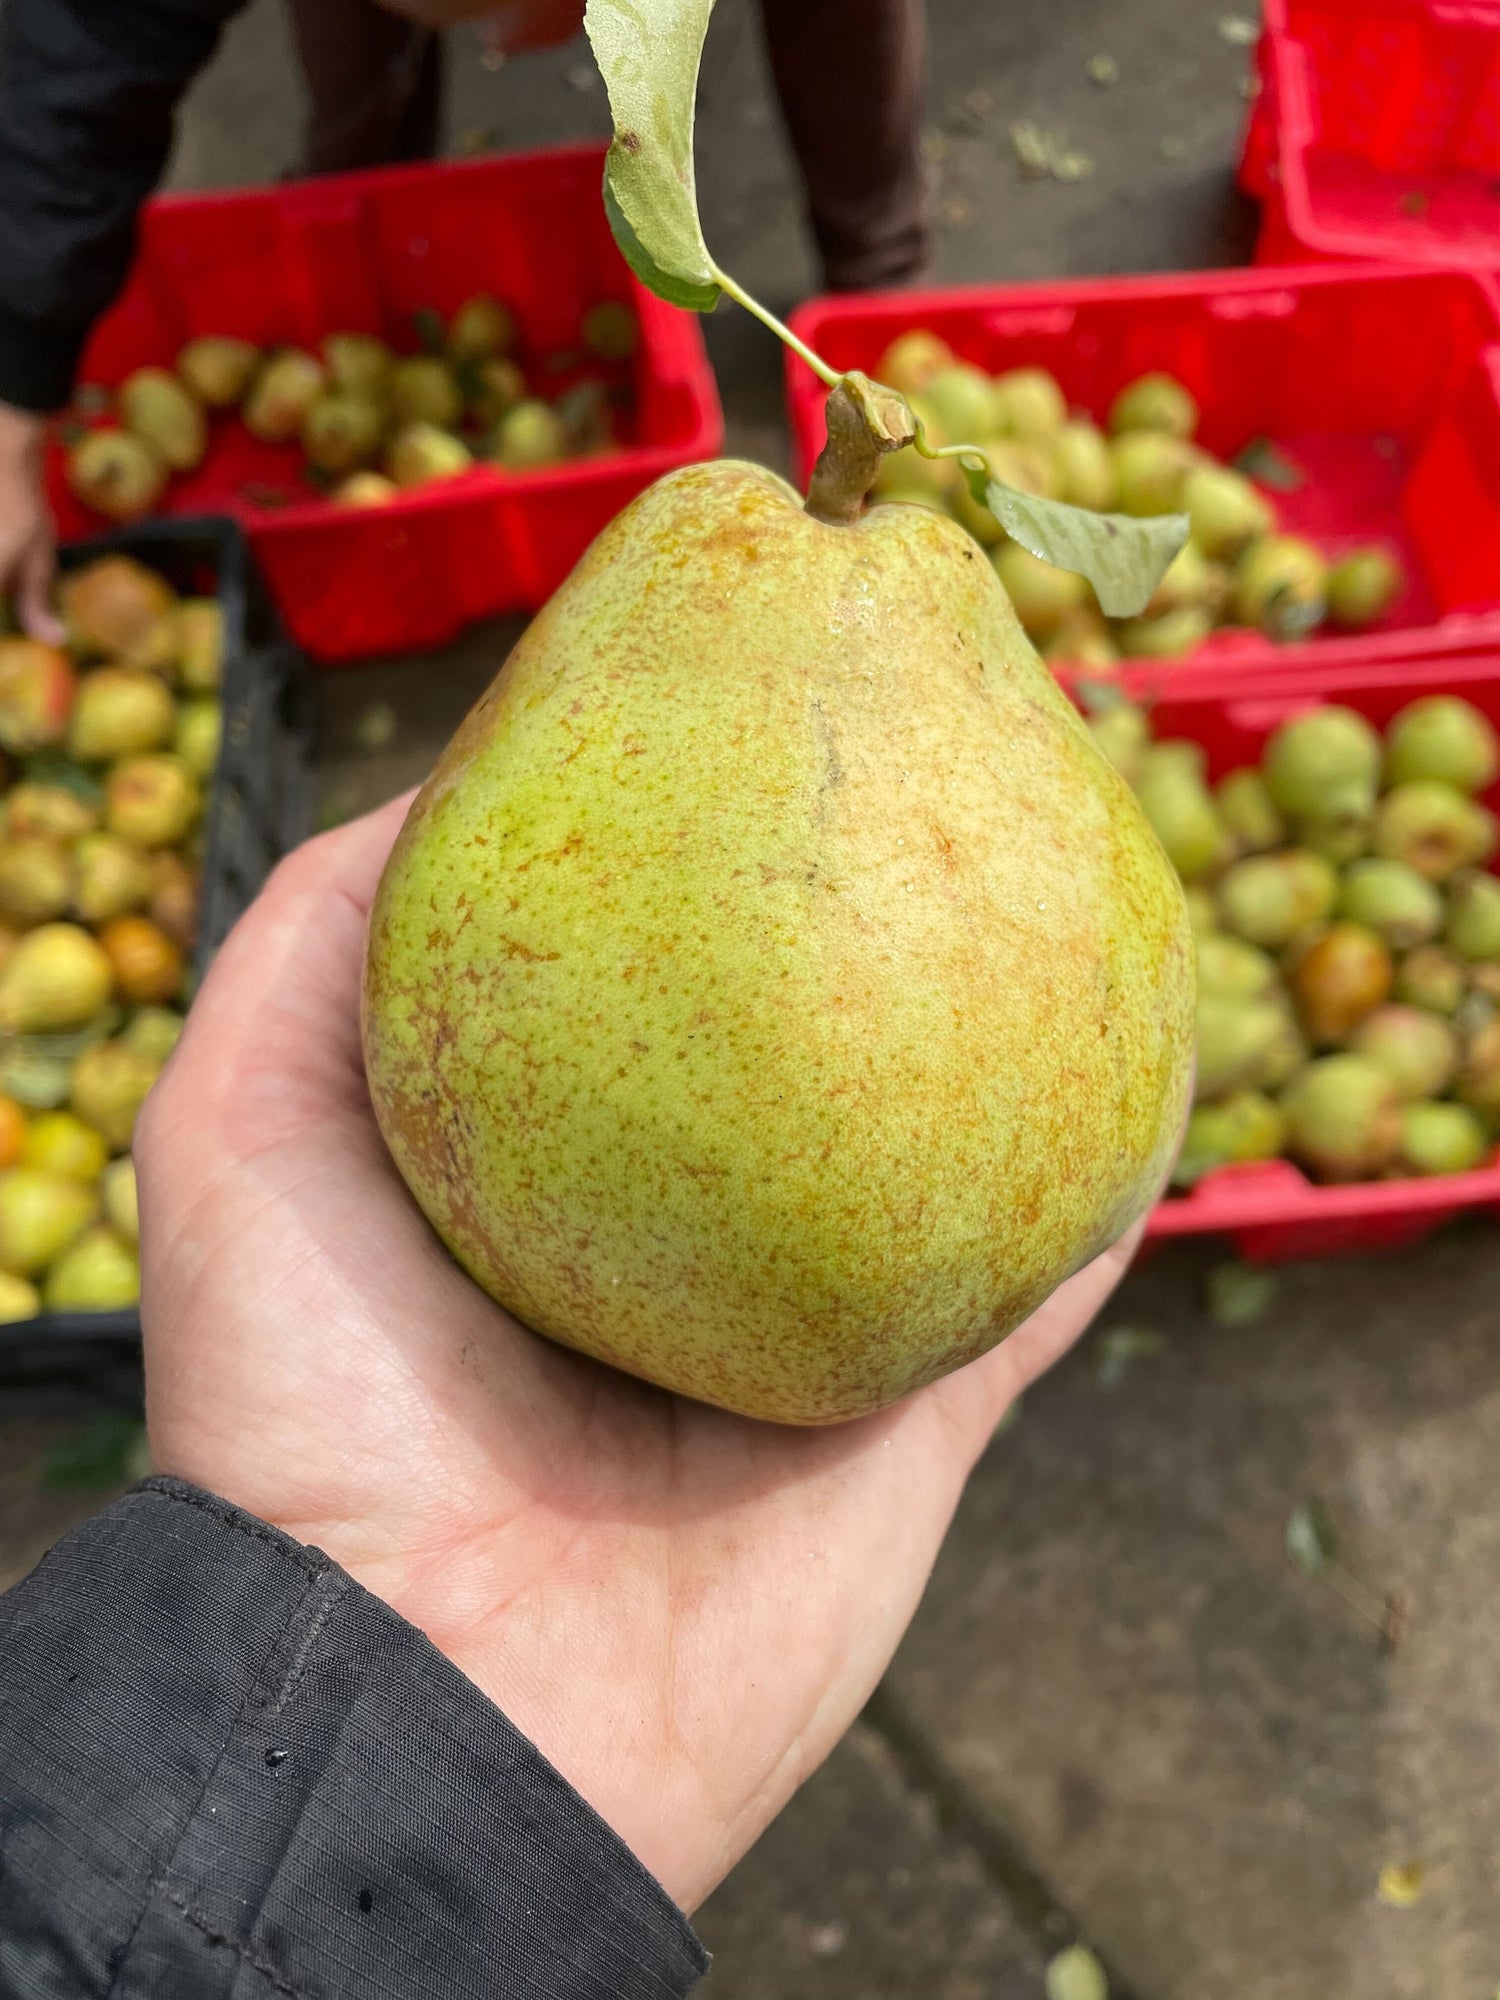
{"points": [[88, 90], [227, 1772]]}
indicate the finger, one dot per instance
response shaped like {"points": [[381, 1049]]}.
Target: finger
{"points": [[34, 579]]}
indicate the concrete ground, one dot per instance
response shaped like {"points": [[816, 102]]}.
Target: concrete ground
{"points": [[1121, 1713]]}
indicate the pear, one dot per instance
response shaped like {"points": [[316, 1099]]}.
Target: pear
{"points": [[482, 326], [494, 387], [777, 1019], [97, 1273], [37, 692], [109, 1085], [1084, 470], [57, 978], [1225, 510], [1441, 1139], [48, 812], [1341, 977], [962, 397], [200, 726], [282, 395], [156, 1030], [200, 644], [173, 899], [611, 330], [342, 432], [424, 390], [366, 489], [1247, 810], [155, 405], [912, 359], [1167, 636], [1150, 470], [1443, 738], [60, 1143], [114, 607], [1280, 586], [358, 365], [1155, 402], [1417, 1050], [1026, 403], [1363, 587], [529, 436], [419, 453], [40, 1215], [1343, 1118], [147, 966], [1392, 899], [152, 800], [121, 1206], [110, 877], [119, 712], [117, 474], [218, 369], [36, 881], [1042, 594]]}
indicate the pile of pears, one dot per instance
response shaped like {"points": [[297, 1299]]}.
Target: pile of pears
{"points": [[370, 423], [1237, 567], [107, 748], [1348, 938]]}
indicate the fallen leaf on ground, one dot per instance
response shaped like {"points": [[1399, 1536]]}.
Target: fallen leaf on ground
{"points": [[1310, 1538]]}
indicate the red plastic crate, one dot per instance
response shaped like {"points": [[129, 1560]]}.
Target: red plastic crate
{"points": [[1271, 1210], [1377, 132], [363, 253], [1384, 384]]}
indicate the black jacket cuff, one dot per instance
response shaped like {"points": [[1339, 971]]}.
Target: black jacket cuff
{"points": [[221, 1757], [38, 361]]}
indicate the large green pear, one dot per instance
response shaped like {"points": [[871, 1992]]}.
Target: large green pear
{"points": [[773, 991]]}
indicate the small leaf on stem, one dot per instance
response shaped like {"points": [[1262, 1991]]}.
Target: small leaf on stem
{"points": [[1122, 557], [648, 53]]}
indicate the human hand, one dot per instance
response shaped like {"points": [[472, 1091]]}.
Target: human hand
{"points": [[682, 1609], [28, 542]]}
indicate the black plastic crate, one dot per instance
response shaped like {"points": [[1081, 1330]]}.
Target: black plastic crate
{"points": [[260, 806]]}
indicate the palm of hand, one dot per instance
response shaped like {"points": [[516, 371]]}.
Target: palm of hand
{"points": [[683, 1609]]}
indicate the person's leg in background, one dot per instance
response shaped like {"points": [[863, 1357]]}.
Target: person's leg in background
{"points": [[850, 75], [374, 85]]}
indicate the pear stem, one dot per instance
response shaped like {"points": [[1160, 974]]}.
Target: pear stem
{"points": [[815, 362], [865, 421]]}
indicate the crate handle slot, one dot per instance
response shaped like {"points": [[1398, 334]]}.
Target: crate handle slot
{"points": [[1012, 320], [1253, 305]]}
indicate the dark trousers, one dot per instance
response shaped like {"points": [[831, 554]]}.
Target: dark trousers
{"points": [[848, 73]]}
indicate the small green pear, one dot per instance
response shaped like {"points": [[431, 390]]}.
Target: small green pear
{"points": [[155, 405], [775, 1017]]}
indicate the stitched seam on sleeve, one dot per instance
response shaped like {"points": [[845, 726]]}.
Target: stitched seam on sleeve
{"points": [[310, 1639], [310, 1564], [158, 1884], [216, 1938]]}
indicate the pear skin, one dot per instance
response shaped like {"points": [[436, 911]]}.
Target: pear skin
{"points": [[773, 992]]}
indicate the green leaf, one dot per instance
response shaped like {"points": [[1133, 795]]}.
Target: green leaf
{"points": [[1123, 558], [648, 53], [1118, 1349], [1310, 1539], [1239, 1294]]}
